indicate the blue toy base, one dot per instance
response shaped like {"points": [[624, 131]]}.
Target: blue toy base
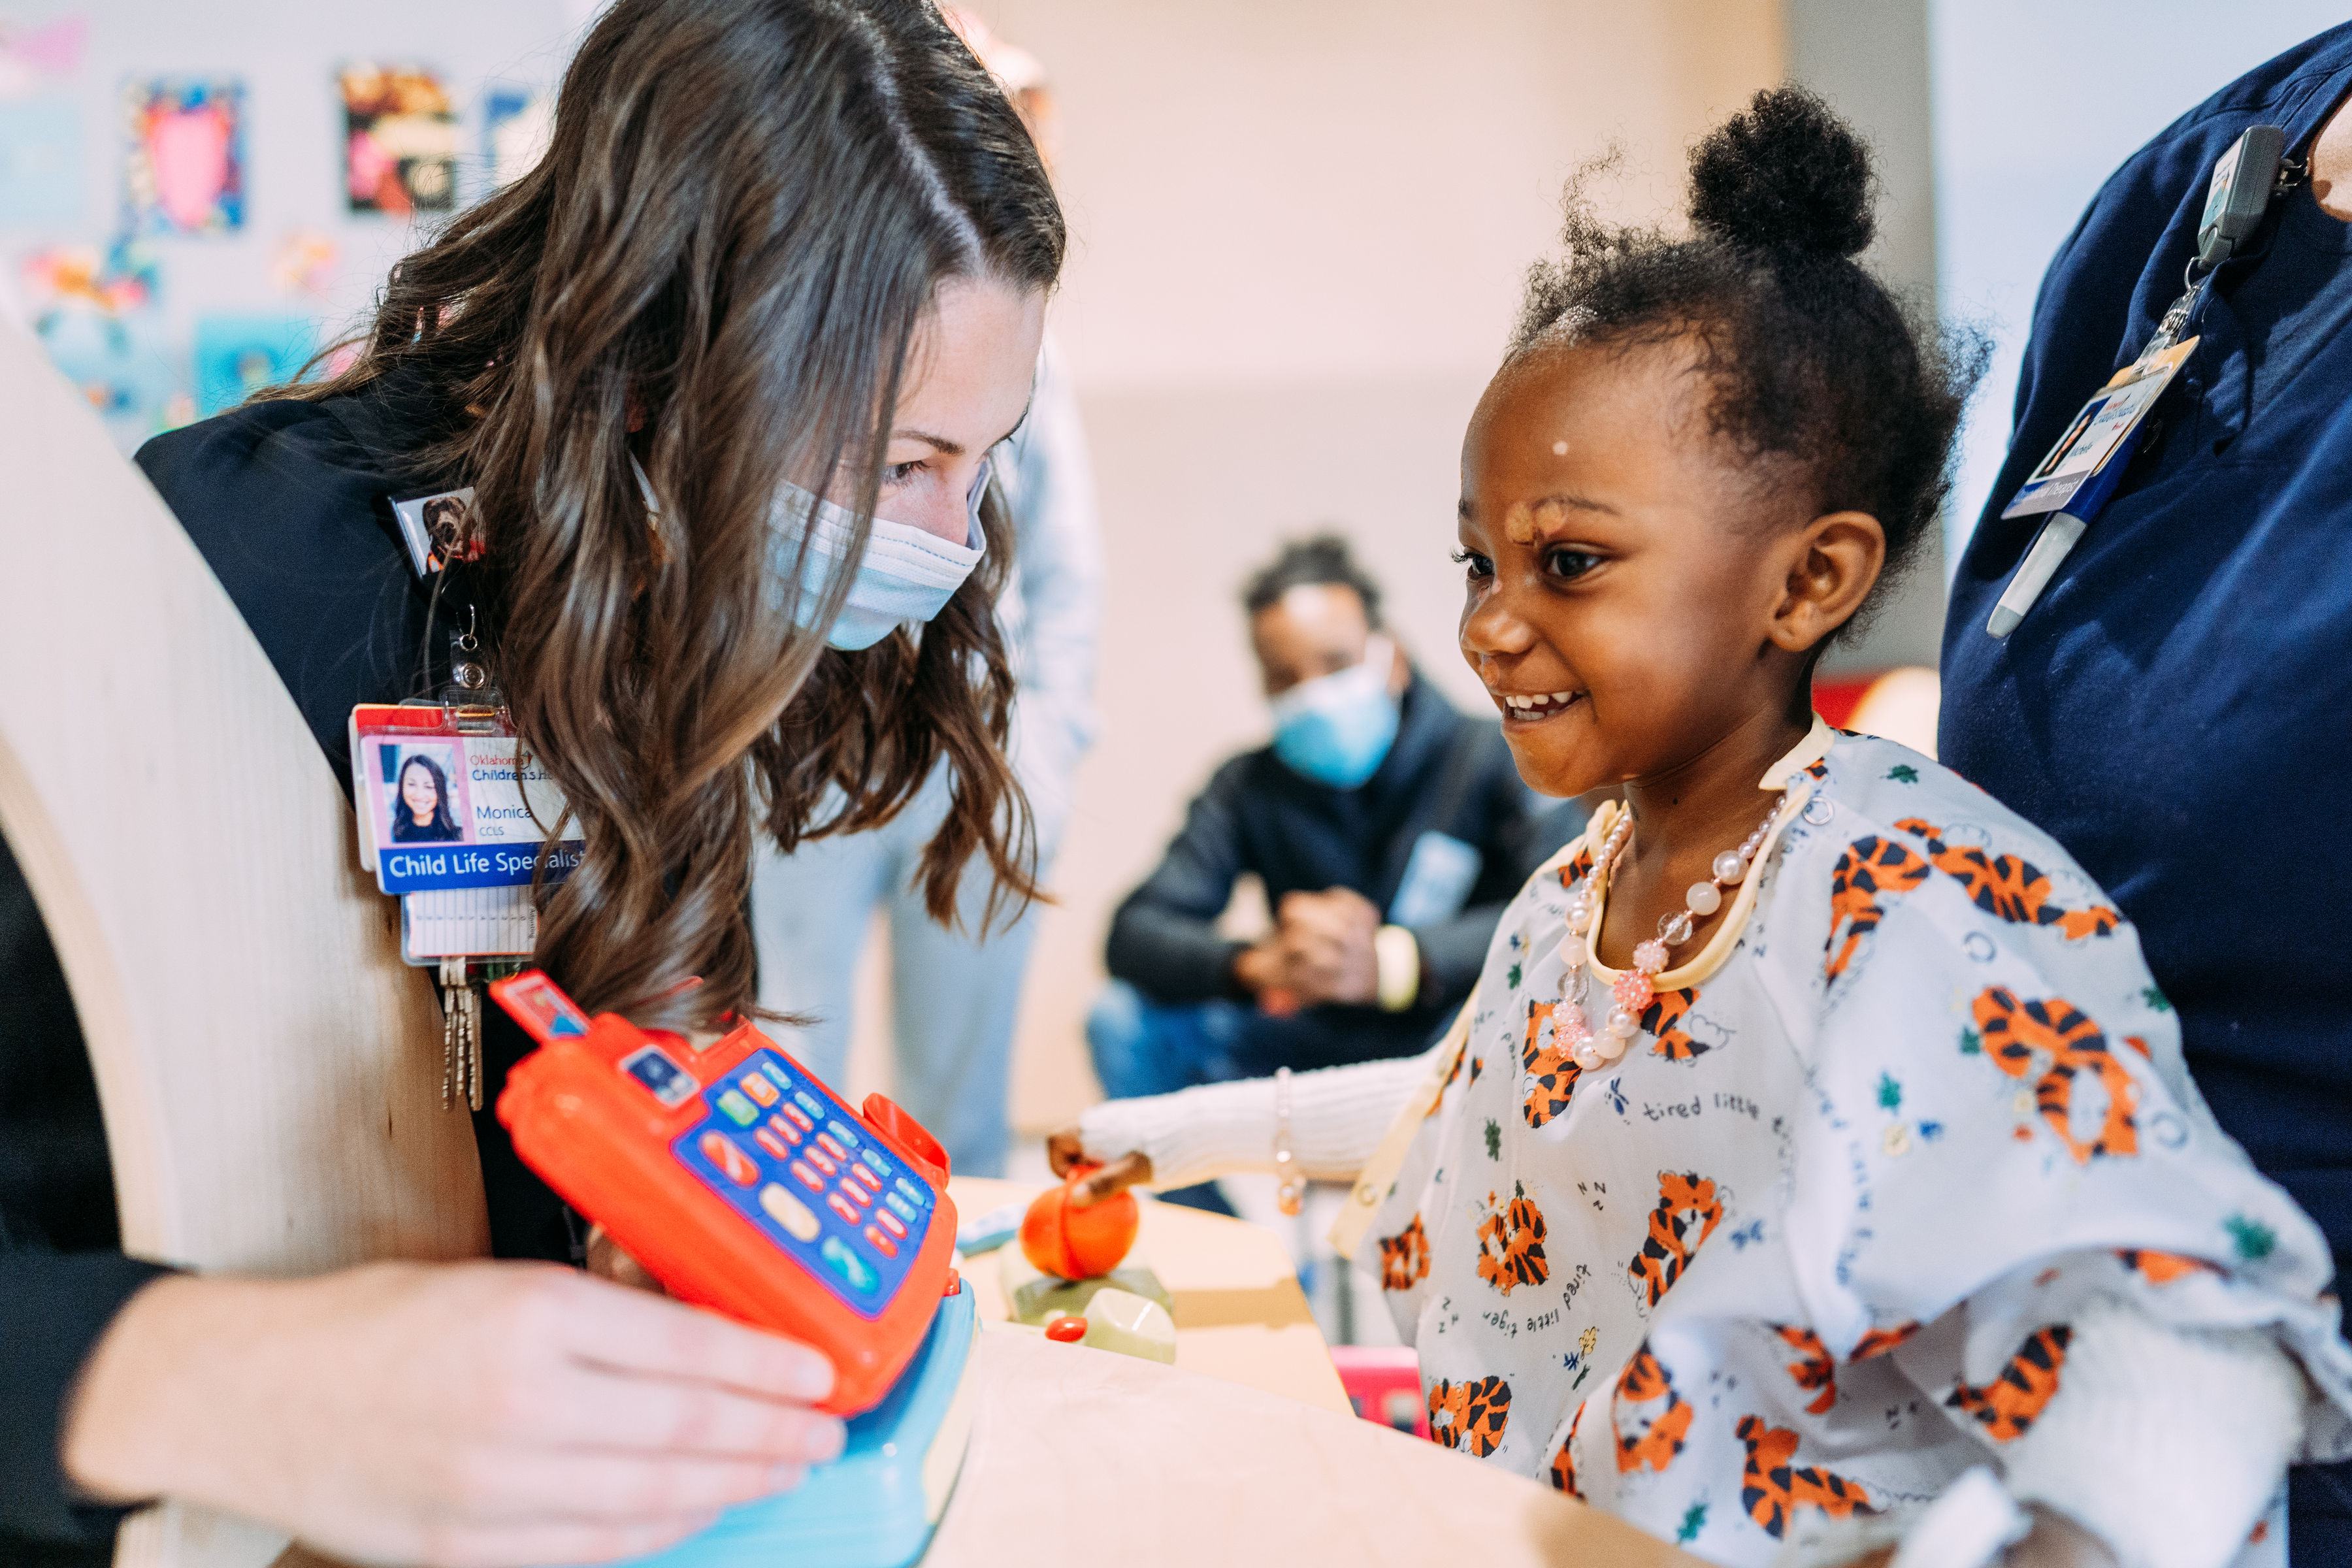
{"points": [[876, 1505]]}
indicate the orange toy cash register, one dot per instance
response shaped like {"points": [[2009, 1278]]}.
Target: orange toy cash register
{"points": [[739, 1180]]}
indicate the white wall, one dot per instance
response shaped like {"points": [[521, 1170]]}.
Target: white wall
{"points": [[1300, 230], [2036, 102]]}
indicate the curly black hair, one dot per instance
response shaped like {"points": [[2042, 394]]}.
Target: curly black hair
{"points": [[1324, 559], [1845, 399]]}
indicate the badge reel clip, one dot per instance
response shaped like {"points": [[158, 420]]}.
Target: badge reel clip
{"points": [[454, 820], [2086, 465], [476, 707]]}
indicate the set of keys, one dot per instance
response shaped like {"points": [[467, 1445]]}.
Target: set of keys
{"points": [[461, 1035]]}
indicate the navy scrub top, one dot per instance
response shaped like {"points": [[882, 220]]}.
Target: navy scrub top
{"points": [[2176, 710]]}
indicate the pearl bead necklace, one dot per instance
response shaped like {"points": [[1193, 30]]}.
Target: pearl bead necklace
{"points": [[1631, 991]]}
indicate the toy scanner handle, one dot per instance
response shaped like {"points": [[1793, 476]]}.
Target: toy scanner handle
{"points": [[910, 1137]]}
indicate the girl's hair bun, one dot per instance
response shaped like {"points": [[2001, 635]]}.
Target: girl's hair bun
{"points": [[1787, 175]]}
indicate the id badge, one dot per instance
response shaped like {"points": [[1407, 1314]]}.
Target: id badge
{"points": [[447, 803], [2098, 444]]}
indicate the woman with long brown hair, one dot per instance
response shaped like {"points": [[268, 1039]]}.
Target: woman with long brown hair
{"points": [[722, 375]]}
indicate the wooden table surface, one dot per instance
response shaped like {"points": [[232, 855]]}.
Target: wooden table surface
{"points": [[1240, 1315]]}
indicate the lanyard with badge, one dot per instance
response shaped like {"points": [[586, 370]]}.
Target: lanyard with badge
{"points": [[2086, 465], [455, 819]]}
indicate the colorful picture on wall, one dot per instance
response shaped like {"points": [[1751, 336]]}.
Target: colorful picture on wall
{"points": [[237, 356], [40, 162], [32, 56], [516, 124], [303, 262], [400, 141], [184, 171]]}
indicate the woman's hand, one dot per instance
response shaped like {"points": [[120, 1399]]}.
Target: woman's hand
{"points": [[1066, 1150], [462, 1413]]}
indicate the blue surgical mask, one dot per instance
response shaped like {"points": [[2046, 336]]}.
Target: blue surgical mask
{"points": [[1336, 729], [905, 574]]}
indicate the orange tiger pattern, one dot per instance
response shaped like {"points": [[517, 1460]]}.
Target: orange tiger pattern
{"points": [[1687, 1203], [1651, 1438], [1470, 1415], [1814, 1370], [1663, 1018], [1878, 1342], [1551, 1072], [1774, 1487], [2163, 1267], [1867, 867], [1510, 1244], [1404, 1257], [1579, 867], [1563, 1464], [2012, 1032], [2007, 1406], [2007, 887]]}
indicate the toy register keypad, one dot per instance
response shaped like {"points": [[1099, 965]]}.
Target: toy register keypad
{"points": [[784, 1155]]}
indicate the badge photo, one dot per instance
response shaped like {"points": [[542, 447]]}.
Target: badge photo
{"points": [[439, 529]]}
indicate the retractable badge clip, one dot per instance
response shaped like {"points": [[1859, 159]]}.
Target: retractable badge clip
{"points": [[2080, 473]]}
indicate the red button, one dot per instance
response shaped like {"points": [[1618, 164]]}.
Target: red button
{"points": [[825, 1141], [721, 1152], [865, 1199], [840, 1205], [772, 1144], [822, 1164], [800, 1118], [808, 1178], [868, 1177], [890, 1222], [784, 1130], [882, 1244]]}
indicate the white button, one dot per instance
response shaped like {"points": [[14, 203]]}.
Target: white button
{"points": [[788, 1211]]}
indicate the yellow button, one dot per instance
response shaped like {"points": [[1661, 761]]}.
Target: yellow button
{"points": [[788, 1211]]}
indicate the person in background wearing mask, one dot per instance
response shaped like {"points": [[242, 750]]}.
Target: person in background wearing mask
{"points": [[956, 989], [1388, 829]]}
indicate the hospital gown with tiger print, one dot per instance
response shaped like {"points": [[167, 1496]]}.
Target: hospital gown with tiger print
{"points": [[1811, 1247]]}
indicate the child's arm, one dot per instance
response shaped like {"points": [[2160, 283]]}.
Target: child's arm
{"points": [[2165, 1443], [1337, 1117]]}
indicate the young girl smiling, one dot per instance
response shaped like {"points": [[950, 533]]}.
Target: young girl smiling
{"points": [[1816, 1133]]}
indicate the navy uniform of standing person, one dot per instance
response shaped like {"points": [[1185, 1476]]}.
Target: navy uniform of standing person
{"points": [[2177, 707], [1388, 829]]}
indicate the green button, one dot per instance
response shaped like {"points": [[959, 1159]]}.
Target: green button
{"points": [[733, 1103], [854, 1270]]}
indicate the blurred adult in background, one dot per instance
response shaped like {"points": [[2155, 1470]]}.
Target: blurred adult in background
{"points": [[1388, 829], [2173, 709], [955, 991]]}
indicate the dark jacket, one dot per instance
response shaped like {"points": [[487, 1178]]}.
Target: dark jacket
{"points": [[289, 503], [1298, 836]]}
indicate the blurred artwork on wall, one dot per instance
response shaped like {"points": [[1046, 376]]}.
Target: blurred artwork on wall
{"points": [[183, 170], [93, 313], [32, 57], [238, 355], [400, 141], [516, 124], [41, 176], [303, 262]]}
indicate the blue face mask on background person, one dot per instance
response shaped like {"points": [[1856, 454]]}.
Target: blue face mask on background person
{"points": [[906, 574], [1336, 729]]}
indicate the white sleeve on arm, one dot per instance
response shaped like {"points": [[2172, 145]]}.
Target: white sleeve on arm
{"points": [[1337, 1117], [2165, 1443]]}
